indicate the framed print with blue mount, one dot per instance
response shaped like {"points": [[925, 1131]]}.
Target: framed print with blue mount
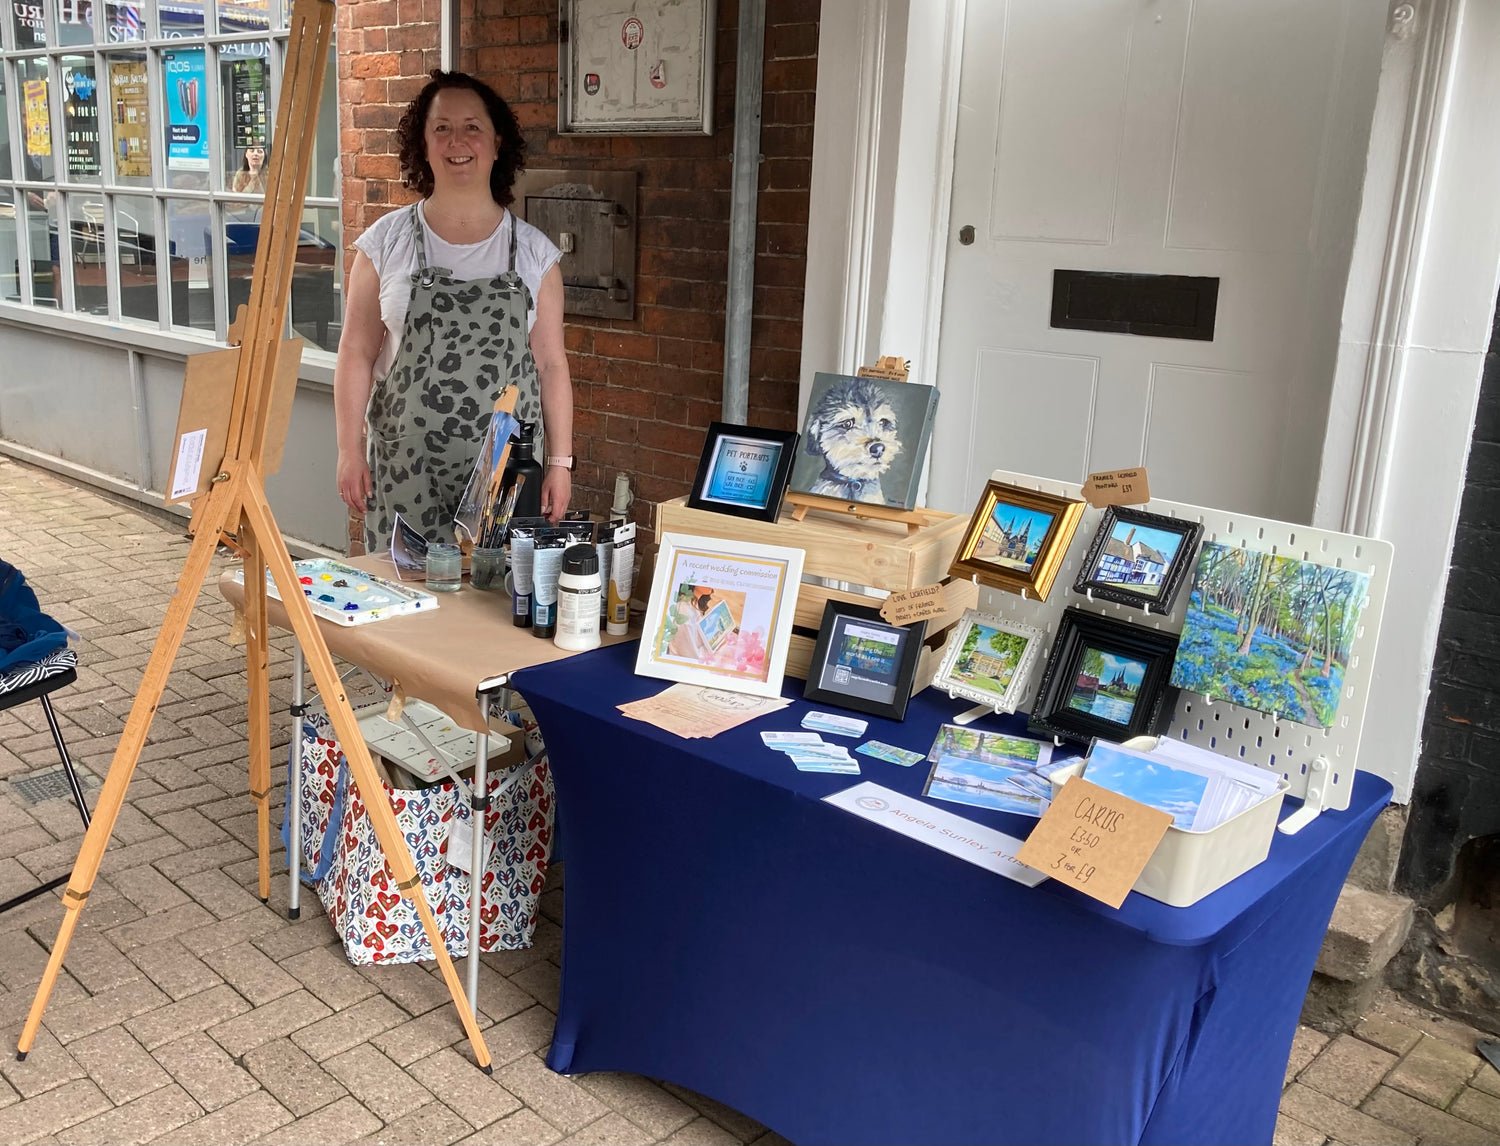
{"points": [[1139, 558], [744, 471], [863, 663]]}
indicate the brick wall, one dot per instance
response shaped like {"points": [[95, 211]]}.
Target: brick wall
{"points": [[1456, 796], [646, 389]]}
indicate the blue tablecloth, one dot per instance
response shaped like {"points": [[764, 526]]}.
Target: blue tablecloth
{"points": [[728, 931]]}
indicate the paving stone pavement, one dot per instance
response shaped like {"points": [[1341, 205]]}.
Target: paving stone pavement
{"points": [[188, 1012]]}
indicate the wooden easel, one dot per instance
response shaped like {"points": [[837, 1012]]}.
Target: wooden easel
{"points": [[236, 499], [893, 369]]}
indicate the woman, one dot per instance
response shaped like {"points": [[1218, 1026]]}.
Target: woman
{"points": [[251, 177], [449, 301]]}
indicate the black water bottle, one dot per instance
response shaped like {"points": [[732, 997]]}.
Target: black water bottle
{"points": [[522, 462]]}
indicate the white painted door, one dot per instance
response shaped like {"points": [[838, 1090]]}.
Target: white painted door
{"points": [[1186, 137]]}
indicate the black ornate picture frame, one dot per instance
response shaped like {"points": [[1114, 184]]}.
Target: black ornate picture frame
{"points": [[1139, 558], [1105, 678]]}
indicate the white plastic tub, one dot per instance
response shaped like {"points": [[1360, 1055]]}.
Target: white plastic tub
{"points": [[1188, 865]]}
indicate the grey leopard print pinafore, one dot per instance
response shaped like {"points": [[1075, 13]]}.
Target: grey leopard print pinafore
{"points": [[462, 343]]}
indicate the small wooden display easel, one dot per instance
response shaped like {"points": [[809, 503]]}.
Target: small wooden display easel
{"points": [[893, 369], [235, 493]]}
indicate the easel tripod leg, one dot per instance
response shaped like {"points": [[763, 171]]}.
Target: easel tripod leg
{"points": [[257, 673], [479, 805], [361, 767], [220, 502]]}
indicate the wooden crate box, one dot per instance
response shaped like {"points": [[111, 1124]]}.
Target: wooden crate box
{"points": [[867, 555]]}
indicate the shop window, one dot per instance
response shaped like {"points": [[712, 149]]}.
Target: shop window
{"points": [[41, 234], [190, 253], [245, 119], [130, 119], [86, 249], [10, 250], [29, 24], [36, 119], [135, 244], [80, 100], [75, 21], [135, 188]]}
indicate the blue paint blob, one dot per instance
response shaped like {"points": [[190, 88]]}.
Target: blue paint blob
{"points": [[350, 607], [326, 597]]}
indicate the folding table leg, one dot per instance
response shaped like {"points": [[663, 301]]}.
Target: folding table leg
{"points": [[294, 789], [479, 804]]}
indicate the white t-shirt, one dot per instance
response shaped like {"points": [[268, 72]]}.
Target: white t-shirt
{"points": [[391, 247]]}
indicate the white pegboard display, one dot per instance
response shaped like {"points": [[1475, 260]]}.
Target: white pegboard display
{"points": [[1275, 743]]}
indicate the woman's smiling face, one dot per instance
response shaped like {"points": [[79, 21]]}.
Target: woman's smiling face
{"points": [[460, 139]]}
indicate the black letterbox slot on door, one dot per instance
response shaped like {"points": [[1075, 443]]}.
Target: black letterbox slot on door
{"points": [[1162, 306]]}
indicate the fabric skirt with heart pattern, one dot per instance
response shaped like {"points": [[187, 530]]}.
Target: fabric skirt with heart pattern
{"points": [[347, 865]]}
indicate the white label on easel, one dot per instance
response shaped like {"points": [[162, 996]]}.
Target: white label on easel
{"points": [[189, 462], [461, 843]]}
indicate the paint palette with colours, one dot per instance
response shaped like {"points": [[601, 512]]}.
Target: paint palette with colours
{"points": [[348, 596]]}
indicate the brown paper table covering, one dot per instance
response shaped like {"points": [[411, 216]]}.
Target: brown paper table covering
{"points": [[439, 656]]}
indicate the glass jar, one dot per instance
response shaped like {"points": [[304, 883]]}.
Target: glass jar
{"points": [[444, 568], [487, 568]]}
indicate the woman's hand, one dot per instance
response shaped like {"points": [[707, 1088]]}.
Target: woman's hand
{"points": [[355, 486], [557, 491]]}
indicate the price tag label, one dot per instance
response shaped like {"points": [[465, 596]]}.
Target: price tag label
{"points": [[1117, 487], [924, 603], [1095, 840]]}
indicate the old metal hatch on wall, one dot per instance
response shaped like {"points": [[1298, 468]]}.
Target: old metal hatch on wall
{"points": [[591, 217]]}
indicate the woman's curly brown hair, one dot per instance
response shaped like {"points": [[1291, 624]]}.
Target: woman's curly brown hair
{"points": [[416, 172]]}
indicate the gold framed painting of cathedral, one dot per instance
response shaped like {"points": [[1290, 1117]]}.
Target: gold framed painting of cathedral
{"points": [[1017, 539]]}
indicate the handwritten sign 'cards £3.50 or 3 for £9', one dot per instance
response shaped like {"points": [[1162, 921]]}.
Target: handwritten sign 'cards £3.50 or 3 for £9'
{"points": [[1095, 840], [1117, 487]]}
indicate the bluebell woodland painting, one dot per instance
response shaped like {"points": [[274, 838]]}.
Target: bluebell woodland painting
{"points": [[1270, 633]]}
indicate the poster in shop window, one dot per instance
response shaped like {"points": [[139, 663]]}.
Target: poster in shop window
{"points": [[38, 128], [81, 121], [185, 76], [132, 119], [248, 103], [638, 66]]}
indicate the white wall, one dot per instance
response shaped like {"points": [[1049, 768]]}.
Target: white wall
{"points": [[1416, 325]]}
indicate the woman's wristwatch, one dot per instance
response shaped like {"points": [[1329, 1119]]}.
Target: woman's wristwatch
{"points": [[566, 463]]}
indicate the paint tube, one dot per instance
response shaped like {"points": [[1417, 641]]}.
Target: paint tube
{"points": [[604, 535], [523, 533], [546, 566], [621, 578]]}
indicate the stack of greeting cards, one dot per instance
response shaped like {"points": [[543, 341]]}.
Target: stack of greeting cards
{"points": [[1200, 789], [990, 770]]}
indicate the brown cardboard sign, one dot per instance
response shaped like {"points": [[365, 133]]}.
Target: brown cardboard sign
{"points": [[891, 367], [1095, 840], [1117, 487], [926, 602]]}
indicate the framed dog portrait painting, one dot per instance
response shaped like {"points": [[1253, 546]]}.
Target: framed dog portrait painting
{"points": [[743, 471], [863, 663], [865, 439], [1017, 539], [720, 613], [1104, 678], [1139, 558]]}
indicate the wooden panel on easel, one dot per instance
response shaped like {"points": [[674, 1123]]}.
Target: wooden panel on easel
{"points": [[202, 423], [283, 395]]}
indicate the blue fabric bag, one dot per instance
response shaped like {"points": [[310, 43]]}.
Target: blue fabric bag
{"points": [[26, 633]]}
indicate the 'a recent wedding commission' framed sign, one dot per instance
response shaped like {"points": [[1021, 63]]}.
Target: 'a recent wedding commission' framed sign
{"points": [[635, 67]]}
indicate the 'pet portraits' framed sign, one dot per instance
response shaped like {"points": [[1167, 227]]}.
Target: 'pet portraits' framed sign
{"points": [[743, 471], [864, 440]]}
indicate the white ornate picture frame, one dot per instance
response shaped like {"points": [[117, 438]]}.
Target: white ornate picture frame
{"points": [[970, 656]]}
